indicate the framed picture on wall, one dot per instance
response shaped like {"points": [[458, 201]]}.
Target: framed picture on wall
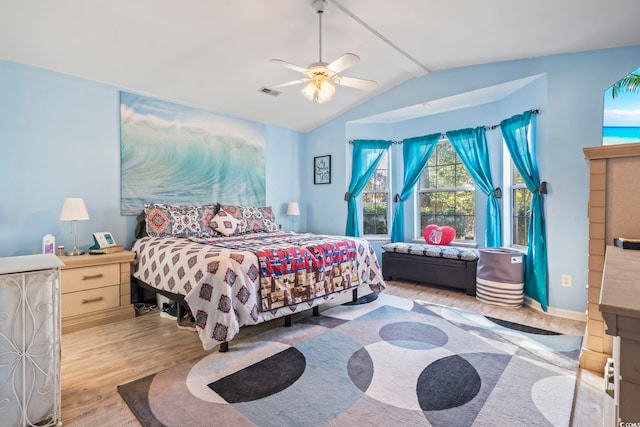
{"points": [[322, 170]]}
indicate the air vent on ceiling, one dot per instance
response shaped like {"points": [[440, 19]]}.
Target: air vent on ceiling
{"points": [[269, 91]]}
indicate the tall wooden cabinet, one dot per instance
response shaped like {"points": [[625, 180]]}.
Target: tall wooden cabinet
{"points": [[614, 211], [620, 307], [30, 340]]}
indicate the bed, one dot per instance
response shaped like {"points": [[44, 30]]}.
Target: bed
{"points": [[233, 267]]}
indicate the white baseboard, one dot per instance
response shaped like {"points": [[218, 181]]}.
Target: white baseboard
{"points": [[560, 312]]}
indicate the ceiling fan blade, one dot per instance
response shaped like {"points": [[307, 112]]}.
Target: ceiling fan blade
{"points": [[345, 61], [288, 65], [355, 83], [291, 83]]}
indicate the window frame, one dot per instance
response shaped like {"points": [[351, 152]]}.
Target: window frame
{"points": [[388, 162], [513, 187], [418, 190], [508, 207]]}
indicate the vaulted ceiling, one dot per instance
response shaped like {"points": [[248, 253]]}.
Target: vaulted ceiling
{"points": [[215, 54]]}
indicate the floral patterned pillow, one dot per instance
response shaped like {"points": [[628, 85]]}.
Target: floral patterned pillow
{"points": [[224, 223], [254, 219], [268, 218], [179, 221]]}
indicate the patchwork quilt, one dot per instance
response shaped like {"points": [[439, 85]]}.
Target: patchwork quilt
{"points": [[295, 268], [229, 282]]}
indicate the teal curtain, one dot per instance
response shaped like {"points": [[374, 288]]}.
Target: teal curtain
{"points": [[471, 146], [415, 154], [366, 156], [519, 135]]}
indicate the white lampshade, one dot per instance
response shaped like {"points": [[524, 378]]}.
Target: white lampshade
{"points": [[74, 209], [293, 208]]}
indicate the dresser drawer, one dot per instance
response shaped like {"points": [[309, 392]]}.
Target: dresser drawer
{"points": [[83, 278], [83, 302]]}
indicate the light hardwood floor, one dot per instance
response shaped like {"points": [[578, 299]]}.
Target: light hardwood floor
{"points": [[96, 360]]}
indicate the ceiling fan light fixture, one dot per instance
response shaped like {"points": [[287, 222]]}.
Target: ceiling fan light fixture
{"points": [[309, 91], [325, 91], [321, 76], [319, 90]]}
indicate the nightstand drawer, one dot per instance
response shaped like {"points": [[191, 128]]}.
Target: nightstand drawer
{"points": [[83, 302], [96, 289], [83, 278]]}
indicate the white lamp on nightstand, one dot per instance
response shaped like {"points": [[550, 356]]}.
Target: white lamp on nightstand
{"points": [[74, 210], [293, 210]]}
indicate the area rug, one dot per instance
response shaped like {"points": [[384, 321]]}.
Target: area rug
{"points": [[391, 361]]}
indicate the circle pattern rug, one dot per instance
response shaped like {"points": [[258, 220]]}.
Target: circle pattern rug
{"points": [[391, 361]]}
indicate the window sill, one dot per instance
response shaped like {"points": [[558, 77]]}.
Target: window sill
{"points": [[522, 249], [377, 239], [456, 243]]}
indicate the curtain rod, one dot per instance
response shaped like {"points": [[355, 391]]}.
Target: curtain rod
{"points": [[444, 135]]}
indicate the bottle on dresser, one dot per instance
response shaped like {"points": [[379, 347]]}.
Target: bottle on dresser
{"points": [[48, 244]]}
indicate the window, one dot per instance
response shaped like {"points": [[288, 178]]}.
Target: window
{"points": [[375, 200], [520, 208], [446, 193]]}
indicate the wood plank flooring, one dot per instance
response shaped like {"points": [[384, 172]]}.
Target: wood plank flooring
{"points": [[96, 360]]}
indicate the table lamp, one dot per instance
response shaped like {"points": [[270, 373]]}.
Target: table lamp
{"points": [[293, 210], [74, 210]]}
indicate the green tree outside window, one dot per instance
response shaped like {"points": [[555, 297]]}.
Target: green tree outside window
{"points": [[446, 193], [375, 201]]}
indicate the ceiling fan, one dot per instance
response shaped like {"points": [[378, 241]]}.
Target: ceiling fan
{"points": [[320, 75]]}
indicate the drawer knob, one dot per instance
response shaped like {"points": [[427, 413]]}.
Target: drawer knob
{"points": [[86, 301], [93, 276]]}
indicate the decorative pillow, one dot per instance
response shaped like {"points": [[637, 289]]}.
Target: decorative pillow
{"points": [[268, 219], [179, 221], [436, 235], [254, 219], [224, 223]]}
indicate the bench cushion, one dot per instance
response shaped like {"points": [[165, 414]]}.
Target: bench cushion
{"points": [[451, 252]]}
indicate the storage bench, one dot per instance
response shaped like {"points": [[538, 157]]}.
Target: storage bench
{"points": [[449, 266]]}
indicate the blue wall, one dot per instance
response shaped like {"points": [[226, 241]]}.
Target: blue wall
{"points": [[570, 95], [60, 138]]}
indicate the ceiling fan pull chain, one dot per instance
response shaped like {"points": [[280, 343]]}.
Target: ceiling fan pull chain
{"points": [[320, 35]]}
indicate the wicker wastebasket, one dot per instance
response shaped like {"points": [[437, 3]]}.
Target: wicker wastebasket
{"points": [[500, 277]]}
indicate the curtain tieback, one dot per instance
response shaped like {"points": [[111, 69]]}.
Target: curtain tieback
{"points": [[396, 198], [542, 189], [347, 196], [498, 192]]}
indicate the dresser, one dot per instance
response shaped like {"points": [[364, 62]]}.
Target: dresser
{"points": [[614, 211], [620, 308], [30, 341], [96, 289]]}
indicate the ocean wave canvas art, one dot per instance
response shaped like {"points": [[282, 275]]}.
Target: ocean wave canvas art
{"points": [[174, 154]]}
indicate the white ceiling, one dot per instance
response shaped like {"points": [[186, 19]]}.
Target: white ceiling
{"points": [[215, 53]]}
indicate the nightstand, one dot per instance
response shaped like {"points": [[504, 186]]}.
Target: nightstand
{"points": [[96, 289]]}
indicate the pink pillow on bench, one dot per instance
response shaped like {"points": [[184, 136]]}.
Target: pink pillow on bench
{"points": [[436, 235]]}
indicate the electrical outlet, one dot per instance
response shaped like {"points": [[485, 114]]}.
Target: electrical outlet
{"points": [[566, 280]]}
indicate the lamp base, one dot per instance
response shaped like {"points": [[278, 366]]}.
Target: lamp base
{"points": [[75, 252]]}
